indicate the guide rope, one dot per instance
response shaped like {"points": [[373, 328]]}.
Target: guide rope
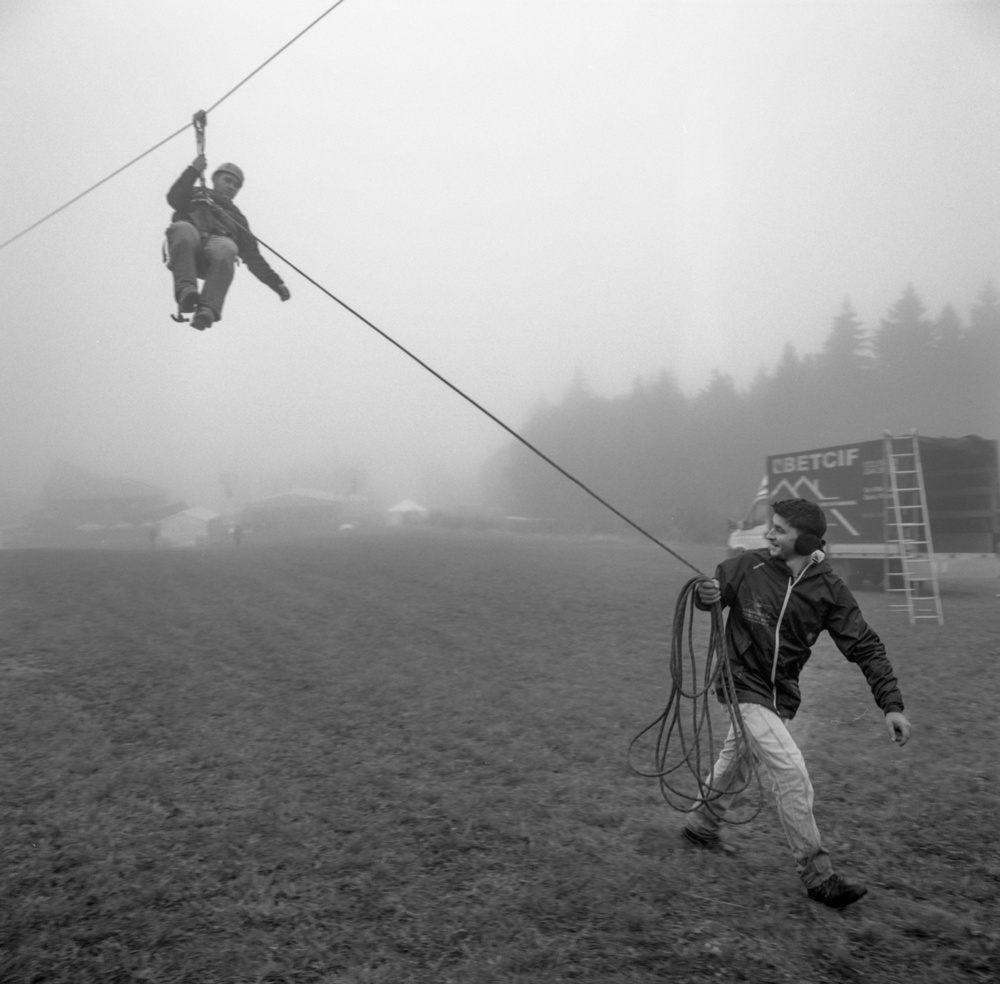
{"points": [[685, 748], [465, 396]]}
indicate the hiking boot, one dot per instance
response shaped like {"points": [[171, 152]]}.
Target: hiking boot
{"points": [[707, 842], [188, 301], [837, 892], [203, 319]]}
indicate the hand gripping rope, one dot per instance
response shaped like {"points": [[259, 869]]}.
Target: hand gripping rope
{"points": [[682, 759]]}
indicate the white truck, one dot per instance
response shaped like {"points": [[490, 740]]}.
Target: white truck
{"points": [[851, 483]]}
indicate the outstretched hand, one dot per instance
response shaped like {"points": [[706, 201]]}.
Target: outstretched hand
{"points": [[284, 293], [898, 727], [199, 163]]}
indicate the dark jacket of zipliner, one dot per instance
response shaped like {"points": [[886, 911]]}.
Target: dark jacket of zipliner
{"points": [[775, 619], [226, 220]]}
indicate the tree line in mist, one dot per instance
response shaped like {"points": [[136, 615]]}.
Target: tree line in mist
{"points": [[680, 466]]}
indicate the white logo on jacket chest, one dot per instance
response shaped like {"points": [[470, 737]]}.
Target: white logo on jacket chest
{"points": [[758, 612]]}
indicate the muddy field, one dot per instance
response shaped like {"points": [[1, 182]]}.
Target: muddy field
{"points": [[403, 758]]}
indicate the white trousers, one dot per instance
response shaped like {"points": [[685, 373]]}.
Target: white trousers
{"points": [[771, 744]]}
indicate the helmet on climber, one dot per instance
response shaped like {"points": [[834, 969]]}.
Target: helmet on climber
{"points": [[227, 179]]}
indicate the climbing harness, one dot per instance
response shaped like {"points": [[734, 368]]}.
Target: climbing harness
{"points": [[686, 749]]}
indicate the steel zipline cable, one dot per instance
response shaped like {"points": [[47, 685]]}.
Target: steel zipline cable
{"points": [[165, 140], [93, 187], [288, 44]]}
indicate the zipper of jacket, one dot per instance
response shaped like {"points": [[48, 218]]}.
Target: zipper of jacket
{"points": [[777, 634]]}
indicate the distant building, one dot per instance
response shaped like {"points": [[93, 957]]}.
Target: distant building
{"points": [[195, 527], [300, 513], [406, 513], [81, 508]]}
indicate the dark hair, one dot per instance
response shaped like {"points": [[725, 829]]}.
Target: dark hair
{"points": [[804, 515]]}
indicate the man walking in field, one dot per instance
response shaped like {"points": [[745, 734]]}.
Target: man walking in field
{"points": [[780, 598]]}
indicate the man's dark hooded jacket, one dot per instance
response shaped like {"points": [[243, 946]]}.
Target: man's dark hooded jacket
{"points": [[760, 591], [226, 220]]}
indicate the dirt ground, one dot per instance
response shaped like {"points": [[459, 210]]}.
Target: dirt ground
{"points": [[403, 758]]}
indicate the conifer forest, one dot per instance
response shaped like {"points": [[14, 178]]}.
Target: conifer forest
{"points": [[682, 465]]}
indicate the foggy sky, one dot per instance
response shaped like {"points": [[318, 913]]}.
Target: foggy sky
{"points": [[513, 191]]}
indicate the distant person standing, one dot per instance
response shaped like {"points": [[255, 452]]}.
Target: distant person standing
{"points": [[208, 232], [780, 598]]}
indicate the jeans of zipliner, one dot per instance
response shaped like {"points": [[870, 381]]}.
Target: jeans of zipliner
{"points": [[217, 259], [779, 756]]}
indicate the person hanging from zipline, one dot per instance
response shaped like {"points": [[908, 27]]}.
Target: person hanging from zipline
{"points": [[206, 235]]}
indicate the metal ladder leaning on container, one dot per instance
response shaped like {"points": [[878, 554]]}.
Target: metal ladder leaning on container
{"points": [[910, 568]]}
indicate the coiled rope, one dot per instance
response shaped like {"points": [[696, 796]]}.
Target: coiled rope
{"points": [[685, 747]]}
